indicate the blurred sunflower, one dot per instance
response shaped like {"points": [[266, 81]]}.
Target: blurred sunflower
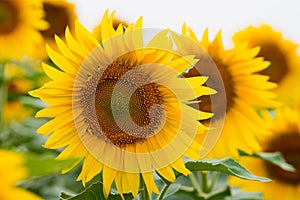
{"points": [[13, 108], [19, 78], [20, 19], [285, 138], [116, 22], [113, 106], [59, 15], [285, 63], [240, 92], [12, 171]]}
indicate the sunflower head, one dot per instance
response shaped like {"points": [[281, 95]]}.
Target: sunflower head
{"points": [[241, 92], [282, 54], [19, 20], [14, 109], [11, 172], [8, 20], [59, 15], [19, 79], [122, 105], [284, 138]]}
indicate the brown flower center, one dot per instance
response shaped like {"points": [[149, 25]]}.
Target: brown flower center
{"points": [[121, 89], [58, 18], [225, 87], [9, 16], [279, 64], [289, 146]]}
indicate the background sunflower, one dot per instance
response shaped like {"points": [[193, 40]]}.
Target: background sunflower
{"points": [[285, 61], [238, 69], [12, 171], [59, 15], [284, 138], [116, 23], [20, 23]]}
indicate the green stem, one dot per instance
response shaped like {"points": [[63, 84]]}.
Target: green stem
{"points": [[195, 183], [3, 95], [164, 191], [213, 181], [143, 191], [204, 183]]}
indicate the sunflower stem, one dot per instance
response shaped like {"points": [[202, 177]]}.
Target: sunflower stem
{"points": [[204, 183], [164, 191], [143, 191], [195, 183], [214, 178]]}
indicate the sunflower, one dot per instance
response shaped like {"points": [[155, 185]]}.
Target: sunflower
{"points": [[282, 53], [18, 81], [12, 171], [233, 73], [122, 106], [13, 107], [116, 22], [59, 15], [284, 138], [20, 23]]}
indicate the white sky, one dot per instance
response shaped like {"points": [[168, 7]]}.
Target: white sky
{"points": [[228, 15]]}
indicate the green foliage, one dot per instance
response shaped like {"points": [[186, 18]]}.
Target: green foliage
{"points": [[240, 195], [94, 192], [216, 188], [273, 157], [38, 166], [184, 189], [225, 165]]}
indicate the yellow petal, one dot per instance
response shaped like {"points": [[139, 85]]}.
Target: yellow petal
{"points": [[62, 62], [167, 173], [109, 175], [149, 182]]}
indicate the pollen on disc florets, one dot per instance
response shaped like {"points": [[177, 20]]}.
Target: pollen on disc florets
{"points": [[106, 92]]}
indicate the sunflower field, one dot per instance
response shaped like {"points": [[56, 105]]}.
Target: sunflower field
{"points": [[133, 109]]}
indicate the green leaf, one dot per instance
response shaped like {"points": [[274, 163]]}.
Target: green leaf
{"points": [[172, 189], [225, 165], [237, 194], [95, 192], [167, 190], [38, 166], [222, 194], [64, 196], [275, 158], [192, 194]]}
